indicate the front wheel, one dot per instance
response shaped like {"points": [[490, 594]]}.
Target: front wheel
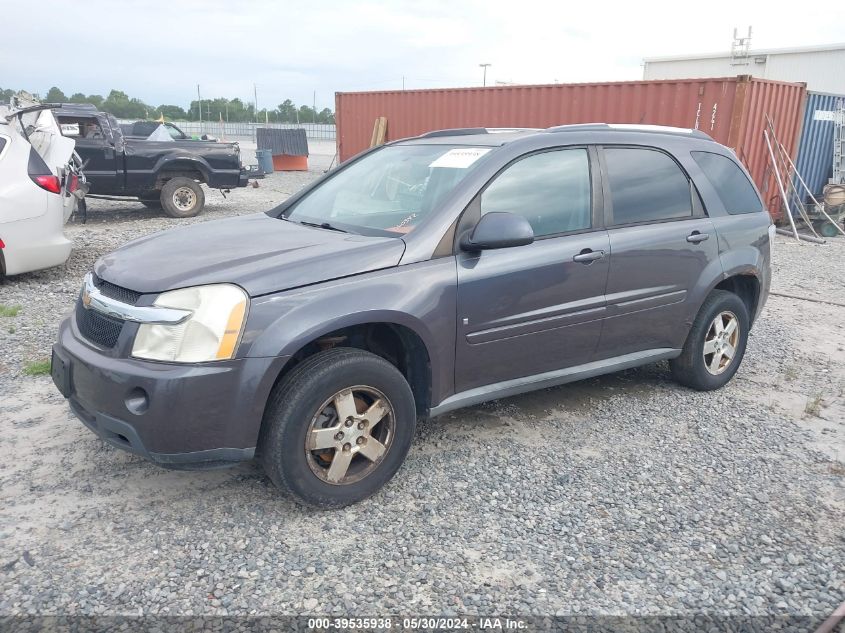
{"points": [[338, 427], [182, 197], [715, 345]]}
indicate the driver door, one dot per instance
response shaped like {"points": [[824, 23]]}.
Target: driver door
{"points": [[530, 309]]}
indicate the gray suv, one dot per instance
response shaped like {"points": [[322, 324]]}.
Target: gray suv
{"points": [[422, 276]]}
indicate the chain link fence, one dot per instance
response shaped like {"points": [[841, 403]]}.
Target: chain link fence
{"points": [[246, 131], [317, 131]]}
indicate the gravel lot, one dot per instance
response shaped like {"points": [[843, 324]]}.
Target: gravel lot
{"points": [[624, 494]]}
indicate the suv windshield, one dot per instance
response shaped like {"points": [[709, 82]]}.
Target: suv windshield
{"points": [[388, 192]]}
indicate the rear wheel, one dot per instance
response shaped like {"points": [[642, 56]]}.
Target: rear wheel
{"points": [[715, 345], [182, 197], [338, 427]]}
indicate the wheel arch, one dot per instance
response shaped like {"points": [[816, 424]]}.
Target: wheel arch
{"points": [[168, 168], [744, 282], [747, 287], [396, 341]]}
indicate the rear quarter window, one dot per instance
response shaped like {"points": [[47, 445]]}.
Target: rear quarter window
{"points": [[730, 182], [2, 145]]}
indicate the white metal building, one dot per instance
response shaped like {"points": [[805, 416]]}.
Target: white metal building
{"points": [[822, 68]]}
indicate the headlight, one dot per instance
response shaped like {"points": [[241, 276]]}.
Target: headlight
{"points": [[211, 332]]}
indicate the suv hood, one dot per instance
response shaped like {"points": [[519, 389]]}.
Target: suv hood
{"points": [[259, 253]]}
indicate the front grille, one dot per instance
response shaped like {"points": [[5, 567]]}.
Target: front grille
{"points": [[97, 327], [115, 292]]}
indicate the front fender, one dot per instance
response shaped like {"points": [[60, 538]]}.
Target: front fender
{"points": [[421, 297]]}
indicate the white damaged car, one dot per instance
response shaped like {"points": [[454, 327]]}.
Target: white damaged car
{"points": [[40, 186]]}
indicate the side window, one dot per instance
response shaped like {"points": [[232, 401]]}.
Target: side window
{"points": [[734, 190], [2, 144], [551, 190], [646, 185]]}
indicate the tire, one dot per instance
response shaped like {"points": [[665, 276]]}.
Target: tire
{"points": [[182, 198], [304, 407], [703, 372]]}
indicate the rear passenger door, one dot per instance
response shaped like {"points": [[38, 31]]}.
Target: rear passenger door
{"points": [[661, 241]]}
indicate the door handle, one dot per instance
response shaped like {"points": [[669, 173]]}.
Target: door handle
{"points": [[587, 256], [695, 237]]}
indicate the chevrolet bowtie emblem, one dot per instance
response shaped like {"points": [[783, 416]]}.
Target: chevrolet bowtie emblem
{"points": [[86, 299]]}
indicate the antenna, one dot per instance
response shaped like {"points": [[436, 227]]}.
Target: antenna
{"points": [[739, 49]]}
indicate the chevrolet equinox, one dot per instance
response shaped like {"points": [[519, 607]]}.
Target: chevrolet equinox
{"points": [[421, 276]]}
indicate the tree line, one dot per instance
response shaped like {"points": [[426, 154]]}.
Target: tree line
{"points": [[122, 106]]}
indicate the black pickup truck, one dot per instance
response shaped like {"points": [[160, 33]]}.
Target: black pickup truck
{"points": [[165, 174]]}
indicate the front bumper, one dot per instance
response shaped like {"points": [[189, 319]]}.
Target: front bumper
{"points": [[200, 415]]}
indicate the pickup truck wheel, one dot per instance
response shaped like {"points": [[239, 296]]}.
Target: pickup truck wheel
{"points": [[715, 345], [182, 197], [338, 427]]}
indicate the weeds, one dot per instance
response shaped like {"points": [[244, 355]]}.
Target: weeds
{"points": [[9, 311], [814, 405], [37, 368]]}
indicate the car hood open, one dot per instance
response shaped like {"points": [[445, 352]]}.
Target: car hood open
{"points": [[260, 253]]}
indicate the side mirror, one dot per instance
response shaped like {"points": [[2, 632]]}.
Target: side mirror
{"points": [[498, 230]]}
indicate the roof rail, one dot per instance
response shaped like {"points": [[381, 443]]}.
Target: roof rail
{"points": [[631, 127], [466, 131], [458, 131], [510, 130]]}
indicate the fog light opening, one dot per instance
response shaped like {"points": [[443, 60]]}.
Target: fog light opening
{"points": [[137, 401]]}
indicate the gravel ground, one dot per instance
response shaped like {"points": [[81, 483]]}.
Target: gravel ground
{"points": [[624, 494]]}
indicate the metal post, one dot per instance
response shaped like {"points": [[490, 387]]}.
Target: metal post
{"points": [[820, 207], [791, 189], [484, 66], [780, 185], [199, 104]]}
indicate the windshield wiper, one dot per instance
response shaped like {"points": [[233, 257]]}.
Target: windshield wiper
{"points": [[322, 225]]}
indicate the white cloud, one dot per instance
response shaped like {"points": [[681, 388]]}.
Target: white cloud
{"points": [[159, 54]]}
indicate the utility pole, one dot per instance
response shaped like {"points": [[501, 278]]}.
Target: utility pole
{"points": [[403, 82], [199, 102], [314, 111], [484, 66], [255, 94]]}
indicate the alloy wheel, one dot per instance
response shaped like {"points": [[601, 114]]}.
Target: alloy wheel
{"points": [[349, 435], [720, 342]]}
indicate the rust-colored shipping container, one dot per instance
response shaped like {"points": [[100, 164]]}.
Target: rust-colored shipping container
{"points": [[732, 110]]}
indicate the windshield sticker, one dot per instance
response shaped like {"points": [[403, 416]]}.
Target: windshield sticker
{"points": [[460, 158]]}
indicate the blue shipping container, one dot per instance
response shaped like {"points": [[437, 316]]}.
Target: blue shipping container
{"points": [[815, 146]]}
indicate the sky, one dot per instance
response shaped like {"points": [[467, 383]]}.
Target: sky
{"points": [[159, 52]]}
